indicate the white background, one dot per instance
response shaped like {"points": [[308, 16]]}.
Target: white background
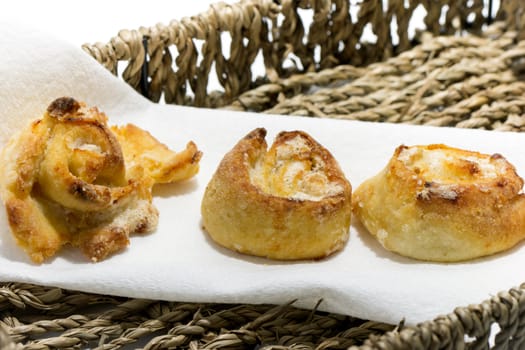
{"points": [[93, 21], [81, 22]]}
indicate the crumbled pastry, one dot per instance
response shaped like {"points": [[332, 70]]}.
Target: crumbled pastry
{"points": [[289, 202], [438, 203], [68, 179]]}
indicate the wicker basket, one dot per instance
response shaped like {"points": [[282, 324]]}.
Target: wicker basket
{"points": [[463, 69]]}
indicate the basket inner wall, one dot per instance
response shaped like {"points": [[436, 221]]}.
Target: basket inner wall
{"points": [[209, 60]]}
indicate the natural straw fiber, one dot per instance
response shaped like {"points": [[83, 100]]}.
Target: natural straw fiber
{"points": [[55, 318], [289, 37], [464, 68], [470, 82]]}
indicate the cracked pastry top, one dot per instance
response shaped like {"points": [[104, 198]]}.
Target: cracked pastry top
{"points": [[439, 203], [69, 178], [288, 202]]}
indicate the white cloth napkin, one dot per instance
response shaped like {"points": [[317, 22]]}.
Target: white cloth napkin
{"points": [[178, 262]]}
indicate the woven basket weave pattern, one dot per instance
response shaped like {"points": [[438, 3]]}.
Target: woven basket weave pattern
{"points": [[177, 69], [37, 317], [447, 81], [459, 70], [70, 319]]}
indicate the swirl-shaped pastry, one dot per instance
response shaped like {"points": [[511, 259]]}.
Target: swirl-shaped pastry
{"points": [[444, 204], [66, 181], [289, 202]]}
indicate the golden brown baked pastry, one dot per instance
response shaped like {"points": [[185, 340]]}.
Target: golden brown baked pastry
{"points": [[445, 204], [159, 162], [289, 202], [65, 181]]}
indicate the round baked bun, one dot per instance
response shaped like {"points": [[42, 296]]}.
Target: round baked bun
{"points": [[444, 204], [289, 202]]}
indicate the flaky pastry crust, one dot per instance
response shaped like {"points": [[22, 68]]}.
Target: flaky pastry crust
{"points": [[289, 202], [158, 161], [66, 181], [444, 204]]}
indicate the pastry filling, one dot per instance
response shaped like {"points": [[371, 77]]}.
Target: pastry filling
{"points": [[293, 170], [450, 166]]}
